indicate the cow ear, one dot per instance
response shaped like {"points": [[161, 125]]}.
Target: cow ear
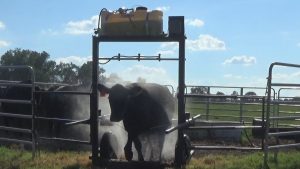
{"points": [[103, 90]]}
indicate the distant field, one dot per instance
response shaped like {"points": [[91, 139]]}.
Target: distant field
{"points": [[216, 110], [12, 158]]}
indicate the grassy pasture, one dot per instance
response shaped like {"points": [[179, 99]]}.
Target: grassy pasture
{"points": [[14, 158]]}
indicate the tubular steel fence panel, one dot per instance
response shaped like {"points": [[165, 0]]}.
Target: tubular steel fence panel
{"points": [[31, 101]]}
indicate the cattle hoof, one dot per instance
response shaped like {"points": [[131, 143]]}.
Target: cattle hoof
{"points": [[128, 155], [141, 158]]}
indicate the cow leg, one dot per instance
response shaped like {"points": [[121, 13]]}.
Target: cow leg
{"points": [[138, 147], [128, 149]]}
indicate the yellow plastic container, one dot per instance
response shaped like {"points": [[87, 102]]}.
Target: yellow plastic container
{"points": [[135, 23]]}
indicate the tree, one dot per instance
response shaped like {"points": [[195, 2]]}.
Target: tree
{"points": [[221, 99], [85, 74], [45, 70], [199, 90], [66, 73], [39, 61], [234, 93], [250, 94]]}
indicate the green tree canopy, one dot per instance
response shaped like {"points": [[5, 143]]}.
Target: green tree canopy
{"points": [[45, 70]]}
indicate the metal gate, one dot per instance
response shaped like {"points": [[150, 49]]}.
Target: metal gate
{"points": [[289, 130], [32, 117]]}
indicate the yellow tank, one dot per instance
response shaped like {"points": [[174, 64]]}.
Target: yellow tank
{"points": [[133, 23]]}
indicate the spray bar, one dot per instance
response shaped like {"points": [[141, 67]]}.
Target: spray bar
{"points": [[186, 124], [84, 121], [120, 57]]}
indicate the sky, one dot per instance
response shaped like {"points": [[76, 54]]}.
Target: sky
{"points": [[229, 43]]}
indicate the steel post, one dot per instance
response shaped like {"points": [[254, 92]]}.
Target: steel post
{"points": [[94, 103]]}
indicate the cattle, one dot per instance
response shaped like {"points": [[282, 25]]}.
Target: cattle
{"points": [[63, 106], [145, 108]]}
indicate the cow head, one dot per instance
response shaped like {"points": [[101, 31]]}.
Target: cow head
{"points": [[118, 95]]}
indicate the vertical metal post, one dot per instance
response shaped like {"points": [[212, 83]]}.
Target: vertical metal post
{"points": [[179, 153], [266, 149], [94, 103], [207, 103], [33, 112], [241, 105]]}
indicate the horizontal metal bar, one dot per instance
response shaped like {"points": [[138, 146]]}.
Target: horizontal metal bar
{"points": [[65, 140], [65, 92], [37, 83], [136, 58], [15, 140], [56, 119], [160, 38], [14, 129], [284, 117], [285, 84], [285, 64], [288, 112], [221, 96], [23, 116], [285, 133], [183, 125], [223, 127], [16, 84], [287, 102], [197, 147], [16, 101], [230, 87], [283, 146]]}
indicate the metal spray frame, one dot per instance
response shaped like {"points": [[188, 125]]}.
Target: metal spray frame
{"points": [[180, 38]]}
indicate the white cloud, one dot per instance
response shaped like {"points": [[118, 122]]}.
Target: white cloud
{"points": [[205, 42], [77, 60], [195, 22], [2, 26], [82, 26], [163, 8], [244, 60], [4, 44]]}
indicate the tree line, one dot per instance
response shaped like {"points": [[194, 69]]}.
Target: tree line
{"points": [[45, 70]]}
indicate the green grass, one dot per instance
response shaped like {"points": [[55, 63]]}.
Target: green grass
{"points": [[13, 158], [252, 110], [233, 160]]}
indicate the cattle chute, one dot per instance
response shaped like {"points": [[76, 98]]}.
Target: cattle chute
{"points": [[176, 34]]}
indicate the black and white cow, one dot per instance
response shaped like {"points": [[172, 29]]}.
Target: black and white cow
{"points": [[144, 108]]}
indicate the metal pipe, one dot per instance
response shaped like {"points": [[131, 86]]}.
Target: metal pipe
{"points": [[286, 133], [14, 129], [94, 122], [16, 115], [65, 92], [16, 101], [284, 146], [186, 124], [10, 140], [66, 140], [285, 118], [223, 127], [197, 147]]}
